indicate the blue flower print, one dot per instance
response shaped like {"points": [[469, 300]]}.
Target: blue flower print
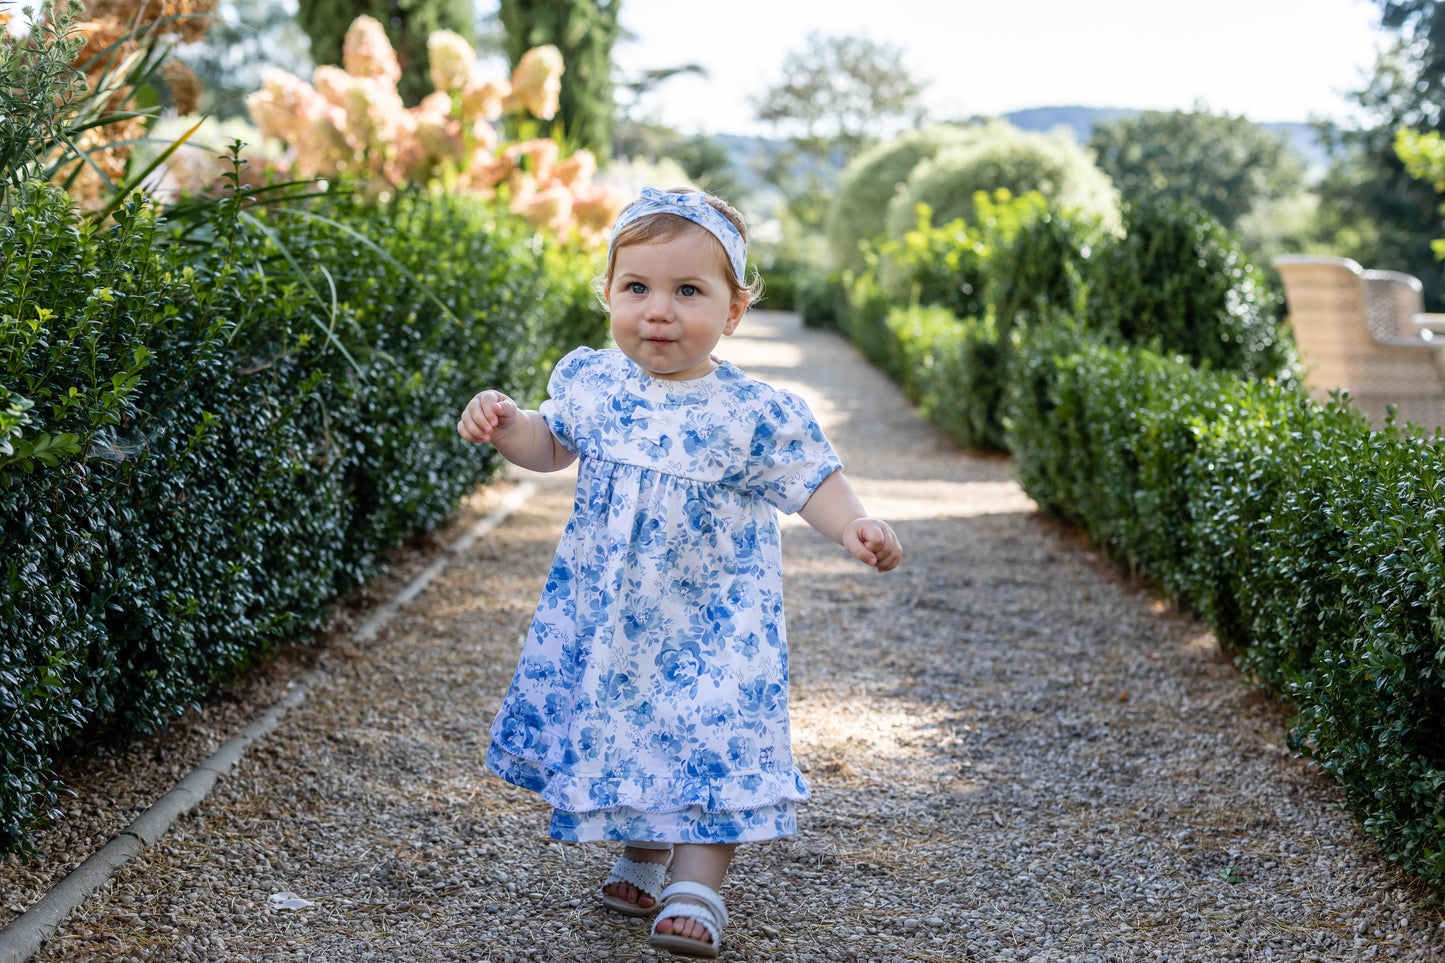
{"points": [[559, 579], [681, 664], [620, 689], [742, 752], [650, 700], [748, 645], [539, 671], [656, 447], [639, 714], [589, 742], [665, 742], [642, 621], [759, 698], [555, 708], [518, 727], [647, 534], [717, 714], [706, 764], [707, 444]]}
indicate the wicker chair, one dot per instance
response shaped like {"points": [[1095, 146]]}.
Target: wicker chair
{"points": [[1393, 299], [1355, 330]]}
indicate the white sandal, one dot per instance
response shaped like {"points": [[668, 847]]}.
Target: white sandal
{"points": [[712, 914], [646, 878]]}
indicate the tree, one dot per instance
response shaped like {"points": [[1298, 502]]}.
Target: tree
{"points": [[585, 32], [1225, 164], [408, 24], [1375, 211], [840, 94]]}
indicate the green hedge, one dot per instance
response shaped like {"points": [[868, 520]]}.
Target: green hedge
{"points": [[208, 430], [1176, 281], [1311, 543], [1179, 280]]}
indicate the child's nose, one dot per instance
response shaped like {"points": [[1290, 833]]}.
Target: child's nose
{"points": [[659, 308]]}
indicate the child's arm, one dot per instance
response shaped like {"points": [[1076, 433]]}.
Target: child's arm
{"points": [[835, 511], [522, 437]]}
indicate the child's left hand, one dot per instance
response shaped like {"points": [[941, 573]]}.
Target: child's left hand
{"points": [[873, 543]]}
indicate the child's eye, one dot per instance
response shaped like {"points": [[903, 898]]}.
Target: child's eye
{"points": [[688, 290], [637, 287]]}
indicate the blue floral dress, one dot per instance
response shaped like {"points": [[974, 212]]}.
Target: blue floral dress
{"points": [[651, 698]]}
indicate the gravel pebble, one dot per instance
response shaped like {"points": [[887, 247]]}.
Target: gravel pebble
{"points": [[1017, 754]]}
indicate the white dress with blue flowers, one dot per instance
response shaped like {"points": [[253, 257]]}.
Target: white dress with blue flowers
{"points": [[651, 698]]}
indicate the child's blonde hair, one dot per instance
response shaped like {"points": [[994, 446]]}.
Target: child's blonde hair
{"points": [[665, 227]]}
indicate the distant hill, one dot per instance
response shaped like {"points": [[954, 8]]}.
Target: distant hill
{"points": [[750, 156], [1081, 120]]}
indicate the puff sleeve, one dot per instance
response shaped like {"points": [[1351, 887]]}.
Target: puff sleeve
{"points": [[560, 408], [789, 456]]}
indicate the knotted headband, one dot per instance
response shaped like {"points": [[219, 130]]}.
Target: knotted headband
{"points": [[693, 206]]}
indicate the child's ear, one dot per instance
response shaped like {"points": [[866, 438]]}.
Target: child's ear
{"points": [[736, 310]]}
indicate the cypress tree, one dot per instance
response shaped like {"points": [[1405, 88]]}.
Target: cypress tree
{"points": [[584, 31], [408, 24]]}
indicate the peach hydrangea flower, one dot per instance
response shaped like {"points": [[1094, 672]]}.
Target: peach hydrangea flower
{"points": [[374, 113], [366, 51], [597, 207], [486, 172], [352, 122], [333, 83], [436, 132], [550, 207], [451, 59], [482, 99], [539, 155], [322, 147], [577, 170], [537, 82], [285, 105], [483, 137]]}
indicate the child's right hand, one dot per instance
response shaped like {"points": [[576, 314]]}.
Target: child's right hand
{"points": [[488, 417]]}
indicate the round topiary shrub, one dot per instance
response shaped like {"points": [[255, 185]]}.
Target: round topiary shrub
{"points": [[859, 207], [999, 155]]}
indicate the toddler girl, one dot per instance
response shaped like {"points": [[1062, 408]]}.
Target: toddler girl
{"points": [[650, 704]]}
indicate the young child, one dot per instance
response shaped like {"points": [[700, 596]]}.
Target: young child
{"points": [[650, 704]]}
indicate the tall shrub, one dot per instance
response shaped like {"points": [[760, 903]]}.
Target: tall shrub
{"points": [[1177, 279]]}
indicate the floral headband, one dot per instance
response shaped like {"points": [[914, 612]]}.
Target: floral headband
{"points": [[693, 206]]}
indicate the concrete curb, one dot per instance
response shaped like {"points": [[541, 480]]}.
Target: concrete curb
{"points": [[28, 932]]}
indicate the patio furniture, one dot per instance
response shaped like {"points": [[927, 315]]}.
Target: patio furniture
{"points": [[1356, 330], [1392, 300]]}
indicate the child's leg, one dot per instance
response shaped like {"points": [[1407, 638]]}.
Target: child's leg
{"points": [[640, 853], [697, 863]]}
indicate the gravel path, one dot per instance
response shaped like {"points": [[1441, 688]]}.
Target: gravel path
{"points": [[1016, 754]]}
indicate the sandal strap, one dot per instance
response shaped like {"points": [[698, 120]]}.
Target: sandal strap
{"points": [[705, 895], [647, 877], [694, 912]]}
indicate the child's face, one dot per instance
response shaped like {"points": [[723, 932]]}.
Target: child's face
{"points": [[671, 305]]}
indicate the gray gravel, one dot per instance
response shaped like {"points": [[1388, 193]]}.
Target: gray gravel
{"points": [[1017, 755]]}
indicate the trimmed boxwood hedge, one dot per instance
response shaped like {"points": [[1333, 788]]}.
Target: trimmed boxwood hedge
{"points": [[1310, 542], [209, 430], [1148, 394]]}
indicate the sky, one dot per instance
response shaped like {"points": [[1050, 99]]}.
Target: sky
{"points": [[1270, 60]]}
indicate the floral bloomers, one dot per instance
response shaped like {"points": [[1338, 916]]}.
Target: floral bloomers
{"points": [[651, 698]]}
